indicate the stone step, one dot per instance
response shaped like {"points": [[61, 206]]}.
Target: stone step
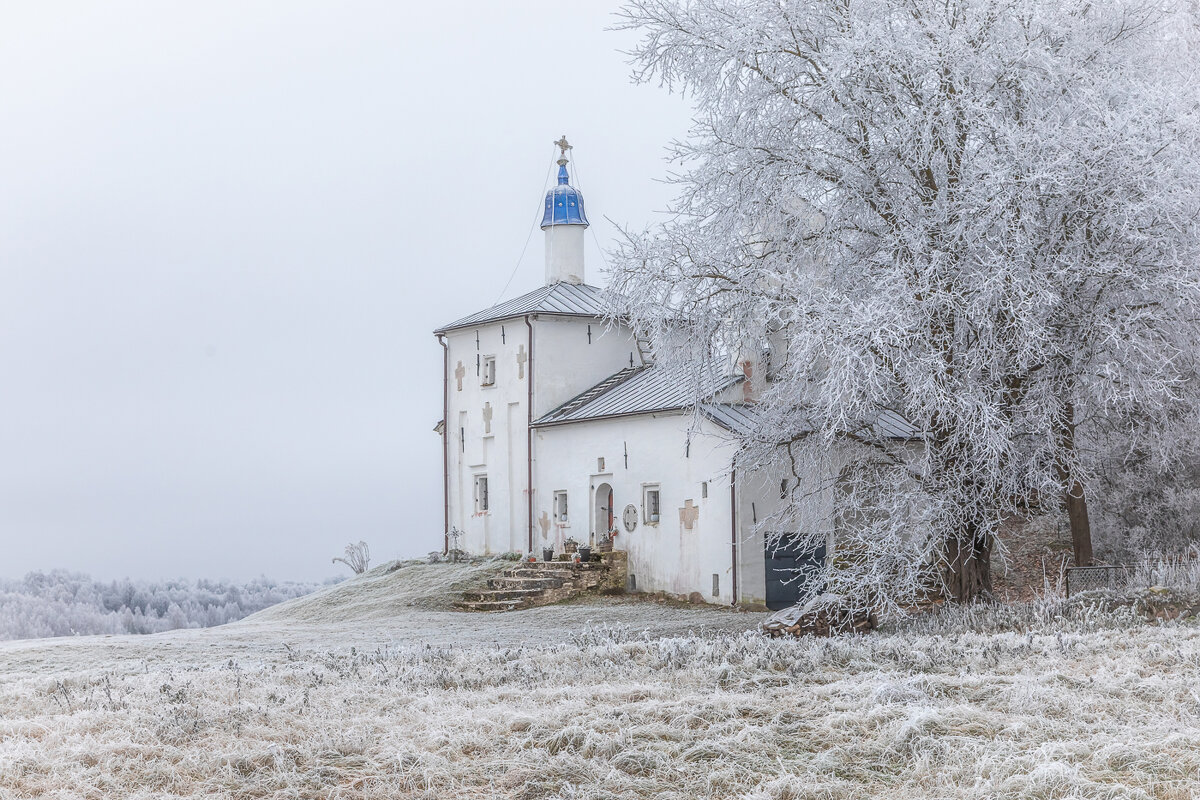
{"points": [[525, 583], [490, 605], [522, 572], [482, 595], [539, 583]]}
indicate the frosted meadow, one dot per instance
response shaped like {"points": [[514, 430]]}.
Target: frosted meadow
{"points": [[372, 689]]}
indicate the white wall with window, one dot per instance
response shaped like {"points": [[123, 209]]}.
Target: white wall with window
{"points": [[560, 508], [481, 494], [651, 503], [649, 467]]}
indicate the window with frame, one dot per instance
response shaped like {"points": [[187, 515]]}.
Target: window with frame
{"points": [[560, 507], [481, 494], [651, 504], [488, 376]]}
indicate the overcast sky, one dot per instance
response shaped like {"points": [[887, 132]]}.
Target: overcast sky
{"points": [[227, 230]]}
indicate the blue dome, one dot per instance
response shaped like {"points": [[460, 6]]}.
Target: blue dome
{"points": [[564, 203]]}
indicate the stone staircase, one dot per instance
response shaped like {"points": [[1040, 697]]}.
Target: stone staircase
{"points": [[540, 583]]}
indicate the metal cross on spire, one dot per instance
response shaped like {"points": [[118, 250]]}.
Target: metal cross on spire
{"points": [[563, 146]]}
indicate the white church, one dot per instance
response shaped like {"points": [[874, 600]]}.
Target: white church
{"points": [[558, 426]]}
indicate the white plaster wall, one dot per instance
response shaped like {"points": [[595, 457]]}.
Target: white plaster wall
{"points": [[567, 363], [500, 453], [663, 557], [564, 253]]}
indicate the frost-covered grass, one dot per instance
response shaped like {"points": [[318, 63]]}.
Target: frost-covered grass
{"points": [[61, 603], [612, 699]]}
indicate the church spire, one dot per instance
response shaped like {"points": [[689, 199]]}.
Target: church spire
{"points": [[564, 222]]}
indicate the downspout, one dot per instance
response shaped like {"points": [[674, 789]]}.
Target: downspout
{"points": [[529, 434], [733, 529], [445, 441]]}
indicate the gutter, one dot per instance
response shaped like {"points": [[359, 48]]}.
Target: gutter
{"points": [[525, 314], [529, 434], [618, 415], [445, 441], [733, 529]]}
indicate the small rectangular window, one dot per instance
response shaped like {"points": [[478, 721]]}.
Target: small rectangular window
{"points": [[489, 371], [716, 585], [650, 504], [481, 494], [704, 490], [560, 507]]}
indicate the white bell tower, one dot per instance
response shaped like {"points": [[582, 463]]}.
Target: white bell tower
{"points": [[564, 222]]}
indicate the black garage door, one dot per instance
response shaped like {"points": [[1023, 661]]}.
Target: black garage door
{"points": [[789, 571]]}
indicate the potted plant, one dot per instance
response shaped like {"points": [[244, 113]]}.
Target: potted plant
{"points": [[585, 553], [570, 546], [547, 554]]}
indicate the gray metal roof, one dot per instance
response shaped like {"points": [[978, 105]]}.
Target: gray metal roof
{"points": [[636, 390], [744, 419], [894, 426], [739, 418], [571, 299]]}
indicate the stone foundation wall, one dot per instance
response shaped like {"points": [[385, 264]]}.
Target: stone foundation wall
{"points": [[617, 574]]}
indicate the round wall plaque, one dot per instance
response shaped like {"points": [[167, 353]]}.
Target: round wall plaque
{"points": [[629, 517]]}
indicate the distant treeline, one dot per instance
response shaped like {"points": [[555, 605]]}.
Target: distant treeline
{"points": [[61, 603]]}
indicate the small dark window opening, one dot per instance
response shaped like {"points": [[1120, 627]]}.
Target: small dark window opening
{"points": [[704, 489], [716, 585]]}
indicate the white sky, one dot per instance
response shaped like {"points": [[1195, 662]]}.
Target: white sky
{"points": [[227, 230]]}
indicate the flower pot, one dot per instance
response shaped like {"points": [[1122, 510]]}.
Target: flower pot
{"points": [[547, 554], [585, 554]]}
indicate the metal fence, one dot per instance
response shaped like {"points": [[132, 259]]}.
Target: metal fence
{"points": [[1083, 579]]}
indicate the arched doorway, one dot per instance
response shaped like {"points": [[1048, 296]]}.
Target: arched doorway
{"points": [[603, 519]]}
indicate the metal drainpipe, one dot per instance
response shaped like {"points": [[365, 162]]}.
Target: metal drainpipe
{"points": [[733, 527], [445, 442], [529, 433]]}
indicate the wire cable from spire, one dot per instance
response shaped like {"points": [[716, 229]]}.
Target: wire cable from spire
{"points": [[534, 225], [591, 230]]}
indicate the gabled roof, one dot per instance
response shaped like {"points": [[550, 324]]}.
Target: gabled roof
{"points": [[743, 418], [740, 418], [569, 299], [636, 390]]}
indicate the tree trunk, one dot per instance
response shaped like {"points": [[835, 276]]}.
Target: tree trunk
{"points": [[1073, 497], [1081, 528], [968, 572]]}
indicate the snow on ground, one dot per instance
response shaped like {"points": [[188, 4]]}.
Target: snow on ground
{"points": [[374, 690]]}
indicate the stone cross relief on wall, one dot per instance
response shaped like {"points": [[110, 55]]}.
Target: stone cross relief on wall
{"points": [[521, 359], [487, 417], [459, 372], [689, 514]]}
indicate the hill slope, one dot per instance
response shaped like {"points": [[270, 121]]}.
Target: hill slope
{"points": [[387, 591]]}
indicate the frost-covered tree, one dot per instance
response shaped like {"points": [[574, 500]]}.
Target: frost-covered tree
{"points": [[358, 557], [61, 603], [975, 220]]}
